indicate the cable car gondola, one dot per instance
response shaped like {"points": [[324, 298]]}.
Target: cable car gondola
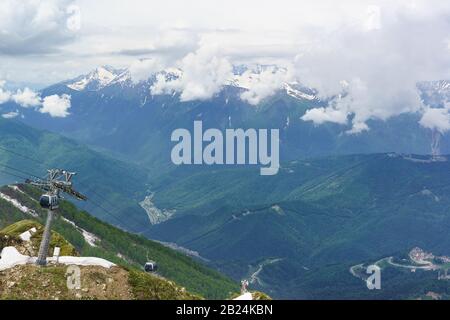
{"points": [[150, 266], [49, 201]]}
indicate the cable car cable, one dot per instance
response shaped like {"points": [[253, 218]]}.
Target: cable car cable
{"points": [[12, 174], [21, 155], [115, 217], [21, 171], [93, 191]]}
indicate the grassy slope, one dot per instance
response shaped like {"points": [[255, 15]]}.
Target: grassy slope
{"points": [[15, 229], [134, 249], [97, 283]]}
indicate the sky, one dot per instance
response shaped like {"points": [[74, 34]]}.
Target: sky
{"points": [[374, 51], [45, 41]]}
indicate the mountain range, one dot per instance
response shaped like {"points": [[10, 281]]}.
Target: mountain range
{"points": [[338, 200], [110, 110]]}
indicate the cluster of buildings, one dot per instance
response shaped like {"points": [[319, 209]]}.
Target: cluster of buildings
{"points": [[420, 256]]}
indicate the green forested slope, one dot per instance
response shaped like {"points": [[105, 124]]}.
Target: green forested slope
{"points": [[314, 213]]}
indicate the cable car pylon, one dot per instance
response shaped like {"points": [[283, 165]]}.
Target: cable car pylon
{"points": [[58, 181]]}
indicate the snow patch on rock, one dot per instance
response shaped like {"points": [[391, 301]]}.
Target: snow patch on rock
{"points": [[26, 236], [10, 258], [82, 261]]}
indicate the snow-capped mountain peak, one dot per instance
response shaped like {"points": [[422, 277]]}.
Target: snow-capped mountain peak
{"points": [[95, 80], [105, 74], [244, 78]]}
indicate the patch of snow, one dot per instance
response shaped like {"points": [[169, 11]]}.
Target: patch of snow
{"points": [[122, 79], [99, 78], [90, 238], [10, 258], [26, 236], [298, 94], [16, 188], [82, 261], [18, 205], [104, 76], [79, 85], [245, 296]]}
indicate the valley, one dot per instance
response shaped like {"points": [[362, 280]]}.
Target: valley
{"points": [[314, 213]]}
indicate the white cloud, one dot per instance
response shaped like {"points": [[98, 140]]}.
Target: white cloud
{"points": [[373, 19], [10, 115], [142, 69], [323, 115], [378, 46], [262, 84], [5, 95], [358, 127], [56, 106], [73, 21], [436, 119], [381, 61], [30, 26], [204, 73], [26, 98]]}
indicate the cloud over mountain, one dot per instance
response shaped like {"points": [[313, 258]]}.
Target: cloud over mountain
{"points": [[5, 95], [436, 119], [142, 69], [363, 57], [56, 106], [371, 71], [205, 72], [26, 98], [261, 85]]}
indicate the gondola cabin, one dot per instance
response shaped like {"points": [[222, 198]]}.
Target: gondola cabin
{"points": [[150, 266], [49, 201]]}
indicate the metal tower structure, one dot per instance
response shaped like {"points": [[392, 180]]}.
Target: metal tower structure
{"points": [[56, 182]]}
